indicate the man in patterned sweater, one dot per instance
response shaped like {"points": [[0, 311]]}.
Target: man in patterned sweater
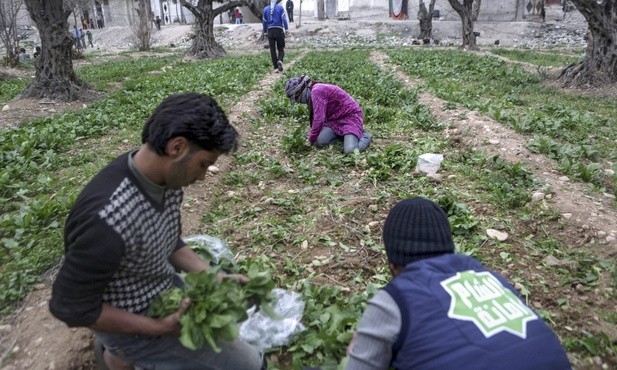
{"points": [[123, 242]]}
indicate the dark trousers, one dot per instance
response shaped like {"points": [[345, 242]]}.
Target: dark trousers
{"points": [[290, 14], [276, 40]]}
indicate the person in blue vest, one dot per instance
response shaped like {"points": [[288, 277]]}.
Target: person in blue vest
{"points": [[444, 310]]}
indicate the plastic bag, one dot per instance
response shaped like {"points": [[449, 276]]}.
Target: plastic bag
{"points": [[429, 163], [264, 332], [210, 248], [259, 329]]}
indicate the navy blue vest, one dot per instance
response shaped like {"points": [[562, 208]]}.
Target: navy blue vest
{"points": [[458, 315]]}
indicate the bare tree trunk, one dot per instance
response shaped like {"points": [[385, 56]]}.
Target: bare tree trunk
{"points": [[8, 29], [55, 77], [476, 9], [464, 10], [599, 67], [426, 20], [143, 28], [204, 45]]}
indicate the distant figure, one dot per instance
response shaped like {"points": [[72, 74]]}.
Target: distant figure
{"points": [[565, 7], [157, 21], [23, 55], [91, 24], [275, 27], [75, 35], [82, 38], [289, 6], [543, 13], [99, 21], [89, 34], [84, 22], [230, 14], [37, 52], [238, 16]]}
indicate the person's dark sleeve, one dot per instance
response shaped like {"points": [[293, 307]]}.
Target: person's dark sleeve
{"points": [[93, 254]]}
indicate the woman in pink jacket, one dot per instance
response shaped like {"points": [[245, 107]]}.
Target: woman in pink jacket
{"points": [[334, 114]]}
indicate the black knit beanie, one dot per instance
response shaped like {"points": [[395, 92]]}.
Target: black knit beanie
{"points": [[416, 228]]}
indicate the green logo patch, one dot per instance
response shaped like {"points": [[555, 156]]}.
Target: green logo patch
{"points": [[480, 298]]}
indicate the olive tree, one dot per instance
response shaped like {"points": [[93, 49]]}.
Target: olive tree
{"points": [[425, 17], [9, 10], [465, 10], [204, 44], [142, 30], [55, 77], [599, 66]]}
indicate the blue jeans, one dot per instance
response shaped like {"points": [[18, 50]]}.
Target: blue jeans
{"points": [[167, 353], [350, 141]]}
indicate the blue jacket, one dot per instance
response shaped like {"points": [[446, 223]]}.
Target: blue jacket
{"points": [[458, 315], [277, 20]]}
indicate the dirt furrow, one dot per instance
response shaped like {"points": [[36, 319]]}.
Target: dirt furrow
{"points": [[589, 213]]}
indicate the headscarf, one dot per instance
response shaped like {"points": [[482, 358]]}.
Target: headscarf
{"points": [[297, 84], [272, 4]]}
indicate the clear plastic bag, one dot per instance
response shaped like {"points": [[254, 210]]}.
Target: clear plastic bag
{"points": [[264, 332], [259, 329]]}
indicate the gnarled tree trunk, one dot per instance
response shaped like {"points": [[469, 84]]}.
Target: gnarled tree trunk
{"points": [[55, 77], [599, 67], [204, 45], [426, 20], [465, 11]]}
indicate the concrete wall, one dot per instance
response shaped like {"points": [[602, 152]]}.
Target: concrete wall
{"points": [[121, 13], [490, 10]]}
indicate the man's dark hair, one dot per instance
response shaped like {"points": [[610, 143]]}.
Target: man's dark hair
{"points": [[196, 117]]}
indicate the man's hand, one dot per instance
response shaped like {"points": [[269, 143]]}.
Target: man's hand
{"points": [[171, 323], [351, 344]]}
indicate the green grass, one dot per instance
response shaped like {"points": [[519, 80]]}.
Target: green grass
{"points": [[539, 58], [583, 130]]}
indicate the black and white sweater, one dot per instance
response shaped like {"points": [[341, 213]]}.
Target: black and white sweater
{"points": [[117, 243]]}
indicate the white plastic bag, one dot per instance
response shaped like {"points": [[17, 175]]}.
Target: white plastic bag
{"points": [[429, 163], [264, 332], [259, 329]]}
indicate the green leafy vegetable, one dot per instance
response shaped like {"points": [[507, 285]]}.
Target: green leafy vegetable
{"points": [[216, 306]]}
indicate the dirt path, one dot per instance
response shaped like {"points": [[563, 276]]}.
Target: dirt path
{"points": [[590, 215]]}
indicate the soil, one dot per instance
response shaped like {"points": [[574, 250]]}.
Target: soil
{"points": [[32, 339]]}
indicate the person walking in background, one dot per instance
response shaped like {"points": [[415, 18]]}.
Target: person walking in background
{"points": [[75, 35], [82, 38], [91, 24], [157, 22], [333, 114], [89, 34], [275, 27], [443, 310], [230, 14], [37, 51], [289, 6], [123, 244], [238, 16]]}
